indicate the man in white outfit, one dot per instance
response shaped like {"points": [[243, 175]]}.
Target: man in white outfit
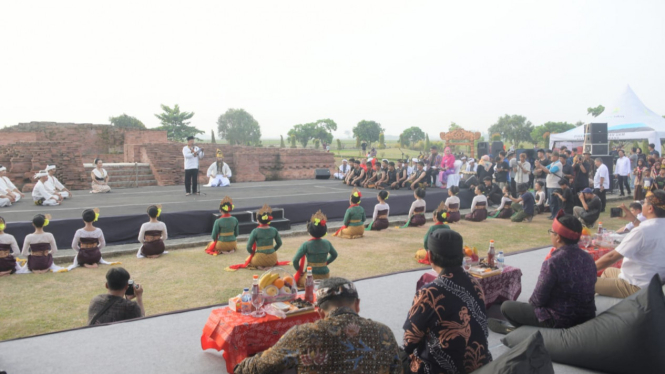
{"points": [[40, 194], [622, 171], [343, 170], [53, 185], [8, 189], [219, 172], [601, 181], [192, 155]]}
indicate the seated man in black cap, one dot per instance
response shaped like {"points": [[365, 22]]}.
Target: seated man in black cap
{"points": [[589, 212], [492, 191], [342, 340], [446, 329]]}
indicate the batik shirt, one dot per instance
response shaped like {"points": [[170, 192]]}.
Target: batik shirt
{"points": [[342, 343], [446, 330]]}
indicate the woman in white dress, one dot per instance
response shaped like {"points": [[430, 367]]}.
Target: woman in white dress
{"points": [[152, 235], [9, 251], [100, 178], [88, 243]]}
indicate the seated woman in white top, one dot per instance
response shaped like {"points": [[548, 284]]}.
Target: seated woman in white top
{"points": [[381, 213], [540, 197], [152, 235], [8, 252], [504, 210], [100, 178], [39, 247], [88, 243], [452, 205], [478, 207], [417, 211]]}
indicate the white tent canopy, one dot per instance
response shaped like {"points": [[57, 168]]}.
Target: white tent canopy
{"points": [[627, 119]]}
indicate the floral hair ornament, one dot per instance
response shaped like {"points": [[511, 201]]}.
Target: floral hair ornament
{"points": [[227, 203], [159, 210], [47, 220], [2, 226], [96, 210], [265, 213], [442, 208], [319, 218], [387, 197], [219, 153]]}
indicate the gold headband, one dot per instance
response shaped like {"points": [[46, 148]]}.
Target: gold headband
{"points": [[655, 201]]}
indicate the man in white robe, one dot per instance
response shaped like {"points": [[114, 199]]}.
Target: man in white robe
{"points": [[8, 189], [40, 194], [219, 172], [343, 170], [53, 185]]}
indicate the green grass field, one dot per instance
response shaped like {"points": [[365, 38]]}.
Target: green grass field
{"points": [[40, 303]]}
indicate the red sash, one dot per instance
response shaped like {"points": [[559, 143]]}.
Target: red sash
{"points": [[344, 226], [211, 248], [301, 268]]}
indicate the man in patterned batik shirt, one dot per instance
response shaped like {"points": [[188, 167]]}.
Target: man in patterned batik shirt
{"points": [[446, 330], [341, 342]]}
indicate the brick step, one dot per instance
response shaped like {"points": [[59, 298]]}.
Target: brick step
{"points": [[127, 170], [132, 184], [130, 178]]}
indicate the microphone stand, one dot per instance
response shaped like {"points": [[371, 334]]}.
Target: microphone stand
{"points": [[198, 185]]}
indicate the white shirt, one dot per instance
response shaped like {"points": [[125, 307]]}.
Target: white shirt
{"points": [[344, 168], [622, 166], [226, 170], [452, 200], [53, 184], [540, 198], [40, 192], [643, 253], [552, 179], [604, 173], [472, 167], [458, 165], [100, 174], [505, 200], [523, 176], [82, 233], [478, 199], [149, 226], [512, 164], [378, 207], [9, 239], [191, 161], [46, 237], [6, 184], [630, 225], [417, 204]]}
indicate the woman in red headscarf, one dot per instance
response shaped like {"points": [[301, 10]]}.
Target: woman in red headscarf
{"points": [[447, 166]]}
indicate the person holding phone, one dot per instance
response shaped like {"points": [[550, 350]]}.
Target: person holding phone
{"points": [[117, 304]]}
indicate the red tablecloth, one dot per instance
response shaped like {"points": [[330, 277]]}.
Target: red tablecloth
{"points": [[241, 336], [505, 286], [597, 253]]}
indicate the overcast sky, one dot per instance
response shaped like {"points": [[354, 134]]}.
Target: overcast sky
{"points": [[402, 64]]}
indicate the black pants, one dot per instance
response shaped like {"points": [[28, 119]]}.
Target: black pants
{"points": [[513, 188], [191, 180], [520, 314], [431, 176], [623, 180], [601, 194]]}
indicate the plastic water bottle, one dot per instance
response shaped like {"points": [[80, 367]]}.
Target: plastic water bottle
{"points": [[500, 261], [600, 227], [246, 302], [491, 255], [309, 286]]}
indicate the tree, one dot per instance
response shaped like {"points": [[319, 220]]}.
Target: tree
{"points": [[303, 133], [292, 139], [542, 133], [127, 122], [347, 133], [173, 121], [239, 127], [281, 142], [595, 111], [513, 128], [382, 141], [212, 135], [412, 135], [357, 142], [426, 142], [453, 126], [339, 144], [579, 123], [368, 131], [317, 143], [321, 130]]}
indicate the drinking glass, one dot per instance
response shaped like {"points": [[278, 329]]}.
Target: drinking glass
{"points": [[257, 301], [466, 263]]}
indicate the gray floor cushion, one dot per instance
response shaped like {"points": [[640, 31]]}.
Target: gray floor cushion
{"points": [[528, 356], [627, 338]]}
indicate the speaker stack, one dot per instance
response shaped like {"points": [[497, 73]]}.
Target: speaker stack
{"points": [[595, 139], [483, 149], [496, 148]]}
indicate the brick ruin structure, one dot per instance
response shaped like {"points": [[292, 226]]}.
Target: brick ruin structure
{"points": [[28, 147]]}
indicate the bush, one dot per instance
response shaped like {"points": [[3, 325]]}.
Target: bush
{"points": [[281, 142], [293, 141], [317, 143]]}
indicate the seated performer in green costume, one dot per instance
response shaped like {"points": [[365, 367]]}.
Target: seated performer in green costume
{"points": [[225, 230], [354, 219], [317, 252], [440, 217]]}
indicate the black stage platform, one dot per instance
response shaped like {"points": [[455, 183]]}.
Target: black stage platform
{"points": [[123, 210]]}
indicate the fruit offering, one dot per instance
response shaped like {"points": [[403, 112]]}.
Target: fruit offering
{"points": [[277, 285]]}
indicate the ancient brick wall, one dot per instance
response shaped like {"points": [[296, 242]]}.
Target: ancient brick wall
{"points": [[248, 164], [23, 160]]}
